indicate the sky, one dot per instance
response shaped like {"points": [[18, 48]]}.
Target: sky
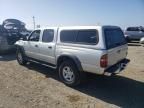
{"points": [[122, 13]]}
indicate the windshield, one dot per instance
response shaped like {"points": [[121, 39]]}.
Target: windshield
{"points": [[114, 38]]}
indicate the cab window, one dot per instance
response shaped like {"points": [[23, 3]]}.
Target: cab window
{"points": [[35, 36]]}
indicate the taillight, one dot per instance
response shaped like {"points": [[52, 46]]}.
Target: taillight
{"points": [[104, 61]]}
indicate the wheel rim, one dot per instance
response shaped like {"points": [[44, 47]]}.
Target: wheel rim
{"points": [[20, 59], [68, 74]]}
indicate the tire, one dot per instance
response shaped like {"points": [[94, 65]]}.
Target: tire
{"points": [[69, 73], [20, 57]]}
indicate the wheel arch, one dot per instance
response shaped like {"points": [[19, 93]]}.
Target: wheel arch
{"points": [[77, 62], [20, 48]]}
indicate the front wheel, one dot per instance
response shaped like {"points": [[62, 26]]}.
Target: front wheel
{"points": [[69, 73], [20, 57]]}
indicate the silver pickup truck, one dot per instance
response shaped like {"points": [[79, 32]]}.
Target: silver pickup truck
{"points": [[134, 33], [76, 50]]}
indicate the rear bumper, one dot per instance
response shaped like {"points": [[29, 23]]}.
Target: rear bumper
{"points": [[117, 68]]}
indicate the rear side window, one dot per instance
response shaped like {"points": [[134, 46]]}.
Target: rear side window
{"points": [[87, 37], [114, 38], [48, 35], [68, 35]]}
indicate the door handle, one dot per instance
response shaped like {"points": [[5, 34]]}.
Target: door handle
{"points": [[50, 47], [36, 45]]}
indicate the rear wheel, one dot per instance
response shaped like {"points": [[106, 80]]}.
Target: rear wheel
{"points": [[69, 73], [20, 57]]}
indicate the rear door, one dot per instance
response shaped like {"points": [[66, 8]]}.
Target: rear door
{"points": [[47, 46], [116, 45]]}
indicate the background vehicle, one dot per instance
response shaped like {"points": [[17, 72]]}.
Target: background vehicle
{"points": [[134, 33], [4, 46], [75, 50], [11, 31]]}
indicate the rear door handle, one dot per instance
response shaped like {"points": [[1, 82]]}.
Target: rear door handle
{"points": [[50, 47], [36, 45]]}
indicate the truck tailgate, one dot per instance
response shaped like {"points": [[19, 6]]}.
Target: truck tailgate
{"points": [[117, 54]]}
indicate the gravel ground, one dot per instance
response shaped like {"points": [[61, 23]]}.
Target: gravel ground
{"points": [[36, 86]]}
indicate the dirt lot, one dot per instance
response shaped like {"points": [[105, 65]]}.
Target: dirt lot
{"points": [[36, 86]]}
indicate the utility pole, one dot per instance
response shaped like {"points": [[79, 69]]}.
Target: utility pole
{"points": [[33, 22]]}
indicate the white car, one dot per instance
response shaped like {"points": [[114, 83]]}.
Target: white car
{"points": [[76, 50], [142, 41], [134, 33]]}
